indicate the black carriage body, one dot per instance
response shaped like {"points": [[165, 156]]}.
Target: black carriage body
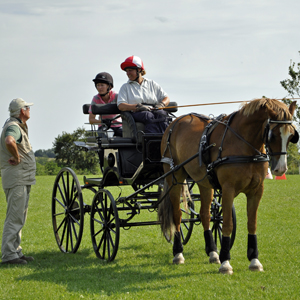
{"points": [[129, 164]]}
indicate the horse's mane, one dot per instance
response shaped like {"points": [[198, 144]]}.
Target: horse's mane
{"points": [[280, 109]]}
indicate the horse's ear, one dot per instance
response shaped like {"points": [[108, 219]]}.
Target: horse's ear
{"points": [[293, 107], [272, 114]]}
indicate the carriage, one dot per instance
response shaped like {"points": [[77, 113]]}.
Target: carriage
{"points": [[131, 160], [232, 155]]}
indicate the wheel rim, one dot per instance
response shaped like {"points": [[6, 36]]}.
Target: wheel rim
{"points": [[105, 226], [186, 228], [67, 211]]}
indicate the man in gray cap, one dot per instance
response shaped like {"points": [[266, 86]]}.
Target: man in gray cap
{"points": [[18, 168]]}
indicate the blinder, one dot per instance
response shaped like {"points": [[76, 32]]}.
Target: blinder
{"points": [[269, 135], [295, 137]]}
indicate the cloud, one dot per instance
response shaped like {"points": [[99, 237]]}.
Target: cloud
{"points": [[162, 19], [198, 51]]}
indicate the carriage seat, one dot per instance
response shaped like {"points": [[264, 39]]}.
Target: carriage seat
{"points": [[134, 130], [131, 130]]}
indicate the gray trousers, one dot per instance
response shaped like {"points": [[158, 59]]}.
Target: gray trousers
{"points": [[17, 206]]}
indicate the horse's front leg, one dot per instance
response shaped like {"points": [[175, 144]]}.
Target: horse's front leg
{"points": [[210, 245], [227, 202], [253, 200]]}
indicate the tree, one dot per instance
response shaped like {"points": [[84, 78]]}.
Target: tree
{"points": [[292, 86], [67, 154], [293, 159], [44, 153]]}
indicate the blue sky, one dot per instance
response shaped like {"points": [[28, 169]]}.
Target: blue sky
{"points": [[198, 51]]}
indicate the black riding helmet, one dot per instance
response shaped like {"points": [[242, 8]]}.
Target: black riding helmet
{"points": [[104, 77]]}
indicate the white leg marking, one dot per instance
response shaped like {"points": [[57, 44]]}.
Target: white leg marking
{"points": [[255, 265], [226, 268], [214, 257], [178, 259]]}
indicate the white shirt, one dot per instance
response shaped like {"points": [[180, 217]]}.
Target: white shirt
{"points": [[148, 92]]}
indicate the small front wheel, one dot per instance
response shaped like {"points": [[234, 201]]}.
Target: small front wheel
{"points": [[105, 225]]}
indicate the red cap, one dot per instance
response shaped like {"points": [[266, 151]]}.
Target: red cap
{"points": [[132, 62]]}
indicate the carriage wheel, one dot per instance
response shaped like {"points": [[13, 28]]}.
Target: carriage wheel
{"points": [[217, 219], [193, 213], [186, 228], [105, 226], [67, 211]]}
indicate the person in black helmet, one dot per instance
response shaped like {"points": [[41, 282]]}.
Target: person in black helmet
{"points": [[104, 84]]}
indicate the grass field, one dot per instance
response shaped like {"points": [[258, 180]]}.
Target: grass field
{"points": [[143, 267]]}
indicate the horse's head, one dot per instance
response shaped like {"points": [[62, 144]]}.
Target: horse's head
{"points": [[279, 132]]}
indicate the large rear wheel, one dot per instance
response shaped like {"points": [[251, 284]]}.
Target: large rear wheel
{"points": [[67, 211]]}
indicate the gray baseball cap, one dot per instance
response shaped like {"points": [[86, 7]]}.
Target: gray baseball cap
{"points": [[17, 104]]}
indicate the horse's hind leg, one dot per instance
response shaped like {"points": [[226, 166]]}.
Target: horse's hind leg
{"points": [[210, 246], [177, 246], [169, 214]]}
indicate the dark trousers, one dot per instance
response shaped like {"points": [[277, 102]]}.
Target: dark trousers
{"points": [[155, 121]]}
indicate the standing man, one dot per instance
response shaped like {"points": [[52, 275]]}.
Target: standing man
{"points": [[18, 168]]}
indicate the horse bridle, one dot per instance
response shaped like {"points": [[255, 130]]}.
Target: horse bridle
{"points": [[268, 133]]}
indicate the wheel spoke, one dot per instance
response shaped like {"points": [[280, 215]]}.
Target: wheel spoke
{"points": [[104, 244], [64, 186], [64, 231], [62, 222], [219, 230], [74, 219], [62, 195], [61, 204], [100, 243], [70, 233], [74, 229]]}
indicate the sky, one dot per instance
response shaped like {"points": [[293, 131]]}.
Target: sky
{"points": [[199, 51]]}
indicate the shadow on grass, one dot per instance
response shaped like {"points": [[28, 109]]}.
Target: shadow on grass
{"points": [[82, 273]]}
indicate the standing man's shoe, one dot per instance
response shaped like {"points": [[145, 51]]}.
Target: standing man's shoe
{"points": [[16, 261], [27, 258]]}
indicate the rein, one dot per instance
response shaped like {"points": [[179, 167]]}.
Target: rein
{"points": [[215, 103]]}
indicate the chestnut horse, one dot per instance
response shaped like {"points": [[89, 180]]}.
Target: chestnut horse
{"points": [[239, 148]]}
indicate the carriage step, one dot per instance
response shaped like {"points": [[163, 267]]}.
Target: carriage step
{"points": [[92, 181]]}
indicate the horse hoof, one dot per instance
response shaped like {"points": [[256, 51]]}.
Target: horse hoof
{"points": [[255, 265], [226, 268], [178, 259], [214, 257]]}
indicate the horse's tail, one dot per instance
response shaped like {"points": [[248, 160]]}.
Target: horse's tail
{"points": [[165, 213], [186, 196]]}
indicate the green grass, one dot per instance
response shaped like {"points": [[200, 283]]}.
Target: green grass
{"points": [[143, 267]]}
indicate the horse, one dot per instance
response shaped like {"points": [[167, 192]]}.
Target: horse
{"points": [[230, 153]]}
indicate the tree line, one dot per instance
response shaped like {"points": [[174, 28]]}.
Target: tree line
{"points": [[66, 154]]}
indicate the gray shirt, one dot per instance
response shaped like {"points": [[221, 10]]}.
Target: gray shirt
{"points": [[148, 92]]}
